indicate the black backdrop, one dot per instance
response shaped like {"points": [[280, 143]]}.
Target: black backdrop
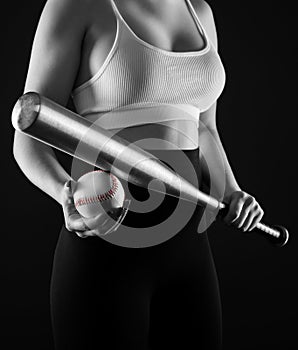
{"points": [[257, 122]]}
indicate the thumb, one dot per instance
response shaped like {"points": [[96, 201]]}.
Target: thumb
{"points": [[69, 184], [67, 190]]}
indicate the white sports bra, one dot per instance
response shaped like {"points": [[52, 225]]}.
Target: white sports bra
{"points": [[139, 83]]}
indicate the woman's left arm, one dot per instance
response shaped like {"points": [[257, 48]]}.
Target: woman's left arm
{"points": [[244, 211]]}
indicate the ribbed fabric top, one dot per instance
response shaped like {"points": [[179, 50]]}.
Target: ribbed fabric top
{"points": [[136, 74]]}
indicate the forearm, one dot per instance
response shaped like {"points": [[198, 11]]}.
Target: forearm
{"points": [[40, 165], [217, 165]]}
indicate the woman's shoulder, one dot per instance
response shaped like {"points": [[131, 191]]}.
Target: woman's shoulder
{"points": [[201, 6], [203, 11], [75, 14], [74, 8], [68, 9], [205, 14]]}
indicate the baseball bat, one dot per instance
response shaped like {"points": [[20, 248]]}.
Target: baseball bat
{"points": [[55, 125]]}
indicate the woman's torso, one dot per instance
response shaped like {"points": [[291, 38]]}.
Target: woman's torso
{"points": [[164, 24]]}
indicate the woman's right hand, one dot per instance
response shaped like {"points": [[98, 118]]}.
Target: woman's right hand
{"points": [[87, 227]]}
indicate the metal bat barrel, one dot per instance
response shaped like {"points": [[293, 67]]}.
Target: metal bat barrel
{"points": [[51, 123], [57, 126]]}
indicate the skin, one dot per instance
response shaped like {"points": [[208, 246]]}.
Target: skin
{"points": [[72, 40]]}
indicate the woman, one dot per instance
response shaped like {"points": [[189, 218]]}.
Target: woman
{"points": [[106, 55]]}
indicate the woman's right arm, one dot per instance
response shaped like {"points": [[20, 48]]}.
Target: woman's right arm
{"points": [[53, 67]]}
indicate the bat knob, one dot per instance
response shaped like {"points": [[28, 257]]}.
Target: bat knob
{"points": [[25, 111], [283, 236]]}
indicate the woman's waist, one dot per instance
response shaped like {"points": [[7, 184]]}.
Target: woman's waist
{"points": [[155, 126], [164, 135]]}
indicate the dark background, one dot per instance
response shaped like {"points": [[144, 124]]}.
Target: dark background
{"points": [[257, 121]]}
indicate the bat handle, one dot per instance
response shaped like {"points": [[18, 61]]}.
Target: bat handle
{"points": [[276, 234]]}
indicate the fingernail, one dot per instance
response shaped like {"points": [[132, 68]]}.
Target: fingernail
{"points": [[67, 184]]}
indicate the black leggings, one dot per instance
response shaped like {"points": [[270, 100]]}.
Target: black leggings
{"points": [[166, 296]]}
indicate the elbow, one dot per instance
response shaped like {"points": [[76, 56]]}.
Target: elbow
{"points": [[19, 147], [16, 149]]}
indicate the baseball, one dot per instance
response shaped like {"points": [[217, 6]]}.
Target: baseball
{"points": [[97, 192]]}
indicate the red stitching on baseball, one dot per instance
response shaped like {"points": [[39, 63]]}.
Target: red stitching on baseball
{"points": [[100, 197]]}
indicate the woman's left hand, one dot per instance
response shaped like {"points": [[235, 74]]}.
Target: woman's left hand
{"points": [[244, 211]]}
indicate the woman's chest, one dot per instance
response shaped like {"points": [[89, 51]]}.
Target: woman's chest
{"points": [[168, 26]]}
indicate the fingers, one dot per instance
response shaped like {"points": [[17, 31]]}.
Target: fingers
{"points": [[83, 235], [235, 206], [99, 225], [110, 225], [73, 220], [95, 221], [255, 220], [244, 211], [67, 199], [114, 219], [76, 222]]}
